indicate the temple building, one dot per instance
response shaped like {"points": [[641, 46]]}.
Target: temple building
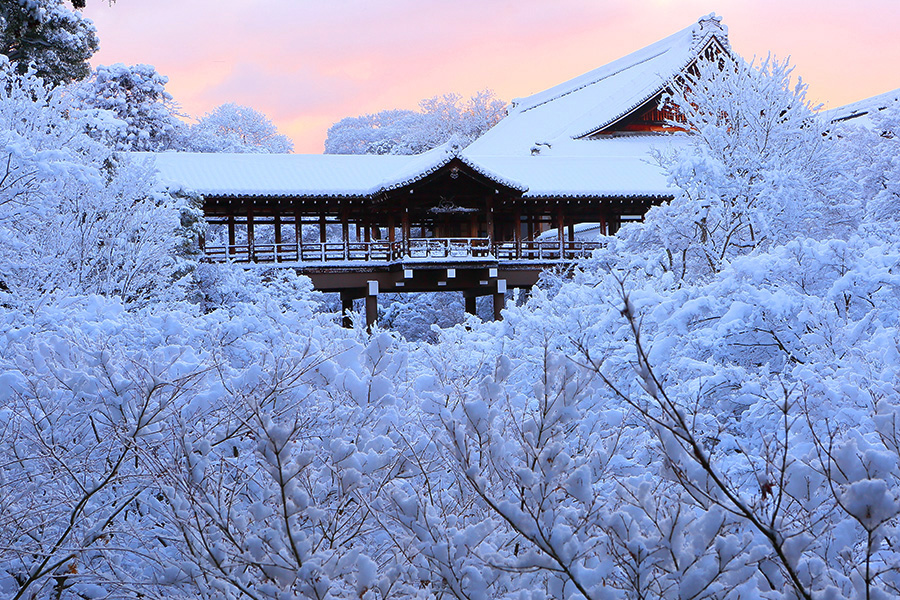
{"points": [[480, 219]]}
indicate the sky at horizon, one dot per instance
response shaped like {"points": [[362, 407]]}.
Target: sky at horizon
{"points": [[309, 63]]}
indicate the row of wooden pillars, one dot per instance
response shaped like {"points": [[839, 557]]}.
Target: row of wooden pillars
{"points": [[524, 225], [370, 294]]}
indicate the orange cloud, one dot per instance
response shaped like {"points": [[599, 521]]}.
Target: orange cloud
{"points": [[309, 64]]}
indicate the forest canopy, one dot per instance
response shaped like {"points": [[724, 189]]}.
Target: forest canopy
{"points": [[705, 409]]}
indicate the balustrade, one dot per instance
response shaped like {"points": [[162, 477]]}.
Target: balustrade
{"points": [[383, 252]]}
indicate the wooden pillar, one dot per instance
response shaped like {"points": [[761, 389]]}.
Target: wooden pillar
{"points": [[277, 233], [391, 224], [250, 241], [345, 224], [367, 226], [517, 231], [571, 223], [298, 228], [499, 299], [473, 225], [530, 221], [231, 235], [323, 232], [405, 232], [615, 220], [346, 309], [499, 305], [489, 217], [371, 304], [471, 303], [560, 226], [604, 228]]}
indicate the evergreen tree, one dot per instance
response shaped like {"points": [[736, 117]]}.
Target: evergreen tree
{"points": [[49, 37], [145, 113]]}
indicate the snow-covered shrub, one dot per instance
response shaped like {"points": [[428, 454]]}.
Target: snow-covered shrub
{"points": [[711, 420]]}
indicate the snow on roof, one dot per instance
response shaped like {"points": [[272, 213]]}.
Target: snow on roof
{"points": [[861, 111], [274, 175], [615, 167], [298, 175], [304, 175], [598, 98], [618, 166], [539, 149]]}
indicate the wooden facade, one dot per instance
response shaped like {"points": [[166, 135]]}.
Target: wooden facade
{"points": [[453, 230], [479, 220]]}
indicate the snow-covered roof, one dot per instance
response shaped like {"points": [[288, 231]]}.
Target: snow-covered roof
{"points": [[542, 149], [615, 167], [303, 175], [599, 98], [277, 175], [861, 111]]}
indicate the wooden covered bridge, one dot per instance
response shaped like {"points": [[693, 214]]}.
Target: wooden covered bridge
{"points": [[479, 220]]}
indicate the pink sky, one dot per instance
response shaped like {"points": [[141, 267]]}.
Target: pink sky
{"points": [[309, 63]]}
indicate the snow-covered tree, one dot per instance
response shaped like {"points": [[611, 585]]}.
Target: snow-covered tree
{"points": [[48, 37], [707, 409], [759, 169], [74, 216], [441, 119], [83, 395], [875, 151], [144, 115], [234, 128], [740, 437]]}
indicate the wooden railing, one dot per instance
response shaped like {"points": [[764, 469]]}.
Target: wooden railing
{"points": [[384, 252]]}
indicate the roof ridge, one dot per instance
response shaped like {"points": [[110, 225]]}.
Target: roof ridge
{"points": [[700, 31], [639, 56], [446, 152], [703, 42], [597, 80]]}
